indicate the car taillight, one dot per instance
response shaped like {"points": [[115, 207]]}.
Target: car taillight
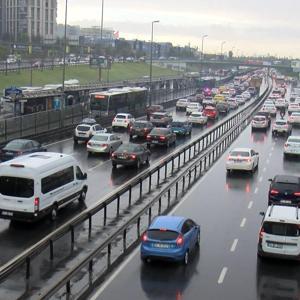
{"points": [[36, 204], [113, 155], [104, 145], [297, 194], [286, 144], [133, 156], [89, 143], [144, 237], [162, 137], [148, 137], [179, 240], [261, 233], [274, 192], [126, 121]]}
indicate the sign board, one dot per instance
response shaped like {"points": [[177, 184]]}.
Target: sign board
{"points": [[12, 91], [100, 61]]}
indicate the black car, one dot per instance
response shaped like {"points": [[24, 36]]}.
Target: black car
{"points": [[161, 136], [284, 189], [140, 129], [131, 155], [19, 147]]}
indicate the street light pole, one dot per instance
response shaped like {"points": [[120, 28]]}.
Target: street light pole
{"points": [[151, 58], [65, 48], [101, 35], [222, 44], [202, 54]]}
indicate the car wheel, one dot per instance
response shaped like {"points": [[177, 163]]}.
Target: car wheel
{"points": [[75, 141], [114, 165], [186, 258], [113, 128], [110, 152], [53, 214], [253, 168], [82, 196], [130, 138]]}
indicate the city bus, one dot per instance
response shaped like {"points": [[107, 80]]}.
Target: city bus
{"points": [[118, 100]]}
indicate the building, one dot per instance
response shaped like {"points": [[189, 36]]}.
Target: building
{"points": [[29, 20], [92, 36], [73, 33]]}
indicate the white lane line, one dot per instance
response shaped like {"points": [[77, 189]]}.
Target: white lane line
{"points": [[260, 179], [234, 244], [250, 204], [243, 222], [96, 166], [58, 142], [256, 190], [222, 275], [264, 169]]}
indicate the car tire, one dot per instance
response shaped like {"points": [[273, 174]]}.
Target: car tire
{"points": [[53, 213], [75, 141], [168, 144], [82, 196], [114, 165], [186, 258], [253, 169], [130, 137], [113, 128]]}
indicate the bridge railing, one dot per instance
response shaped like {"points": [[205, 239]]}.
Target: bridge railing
{"points": [[204, 150]]}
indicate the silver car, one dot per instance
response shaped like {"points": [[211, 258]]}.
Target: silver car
{"points": [[103, 143]]}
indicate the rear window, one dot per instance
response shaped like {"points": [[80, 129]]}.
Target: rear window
{"points": [[259, 118], [128, 148], [140, 125], [291, 187], [291, 140], [281, 123], [281, 229], [83, 128], [177, 124], [15, 145], [120, 117], [240, 153], [162, 235], [16, 187]]}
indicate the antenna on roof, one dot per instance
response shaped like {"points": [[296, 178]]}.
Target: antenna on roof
{"points": [[271, 210]]}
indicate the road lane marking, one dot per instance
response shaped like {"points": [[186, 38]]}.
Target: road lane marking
{"points": [[256, 190], [260, 179], [272, 149], [243, 222], [97, 165], [55, 143], [234, 244], [222, 275], [250, 204]]}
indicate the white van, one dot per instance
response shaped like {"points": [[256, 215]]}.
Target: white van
{"points": [[280, 232], [35, 185]]}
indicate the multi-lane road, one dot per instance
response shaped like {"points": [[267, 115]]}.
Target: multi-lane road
{"points": [[226, 267]]}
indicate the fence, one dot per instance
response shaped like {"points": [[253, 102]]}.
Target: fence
{"points": [[201, 153]]}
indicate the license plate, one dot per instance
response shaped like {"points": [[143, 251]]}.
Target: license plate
{"points": [[9, 153], [81, 133], [163, 246], [155, 142], [275, 245], [7, 213], [122, 157], [286, 201]]}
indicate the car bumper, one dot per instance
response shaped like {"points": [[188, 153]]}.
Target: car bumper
{"points": [[123, 125], [98, 149], [263, 253], [291, 151], [258, 126], [159, 254], [124, 162], [21, 216], [242, 167], [180, 132]]}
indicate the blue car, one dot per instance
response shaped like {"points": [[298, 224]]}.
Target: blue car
{"points": [[170, 238], [181, 128]]}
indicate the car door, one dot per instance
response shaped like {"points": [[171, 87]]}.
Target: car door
{"points": [[187, 233], [28, 148], [254, 157]]}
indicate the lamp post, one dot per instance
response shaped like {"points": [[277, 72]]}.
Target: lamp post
{"points": [[101, 35], [203, 37], [222, 44], [151, 54], [65, 48]]}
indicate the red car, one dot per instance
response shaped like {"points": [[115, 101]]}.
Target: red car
{"points": [[211, 112]]}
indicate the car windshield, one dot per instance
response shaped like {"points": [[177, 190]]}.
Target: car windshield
{"points": [[83, 128], [196, 115], [259, 118], [239, 153], [120, 117], [15, 145], [281, 122], [100, 138], [281, 229], [162, 235]]}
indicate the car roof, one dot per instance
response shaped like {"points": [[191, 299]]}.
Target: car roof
{"points": [[287, 179], [241, 149], [23, 141], [159, 113], [173, 223], [282, 214]]}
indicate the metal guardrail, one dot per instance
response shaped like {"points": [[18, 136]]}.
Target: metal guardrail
{"points": [[209, 145]]}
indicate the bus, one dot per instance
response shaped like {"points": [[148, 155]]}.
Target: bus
{"points": [[118, 100]]}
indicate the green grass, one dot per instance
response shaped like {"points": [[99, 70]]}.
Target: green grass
{"points": [[85, 74]]}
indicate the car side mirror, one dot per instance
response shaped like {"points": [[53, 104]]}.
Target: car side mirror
{"points": [[270, 179], [262, 213]]}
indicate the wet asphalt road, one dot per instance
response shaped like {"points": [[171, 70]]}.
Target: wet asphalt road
{"points": [[226, 267]]}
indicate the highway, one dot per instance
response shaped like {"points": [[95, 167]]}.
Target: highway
{"points": [[101, 181], [227, 208]]}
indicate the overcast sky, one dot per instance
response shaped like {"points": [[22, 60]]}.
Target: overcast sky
{"points": [[256, 27]]}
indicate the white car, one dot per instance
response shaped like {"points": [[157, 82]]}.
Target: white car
{"points": [[294, 118], [208, 101], [84, 131], [240, 99], [233, 104], [193, 107], [270, 108], [281, 102], [292, 146], [279, 234], [181, 104], [259, 122], [245, 159], [197, 118], [246, 95], [293, 107], [281, 126], [103, 143], [122, 120]]}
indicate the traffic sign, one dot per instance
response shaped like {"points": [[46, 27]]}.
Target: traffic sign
{"points": [[12, 91]]}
